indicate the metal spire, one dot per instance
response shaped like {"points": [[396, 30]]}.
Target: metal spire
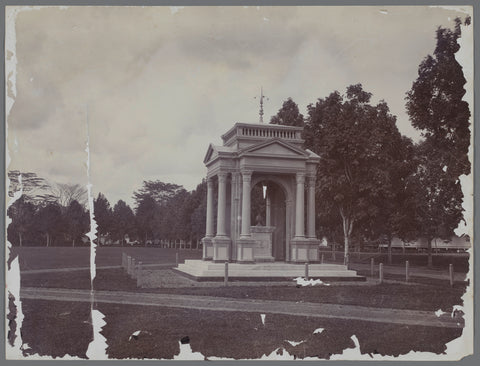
{"points": [[261, 103]]}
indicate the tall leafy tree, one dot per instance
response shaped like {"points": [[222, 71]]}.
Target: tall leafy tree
{"points": [[76, 221], [288, 115], [34, 188], [50, 222], [103, 215], [436, 108], [161, 192], [22, 213], [353, 138], [123, 221], [145, 217]]}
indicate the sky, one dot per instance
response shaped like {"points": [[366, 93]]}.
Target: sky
{"points": [[151, 87]]}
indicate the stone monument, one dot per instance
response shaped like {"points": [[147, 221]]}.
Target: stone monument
{"points": [[270, 248], [273, 156]]}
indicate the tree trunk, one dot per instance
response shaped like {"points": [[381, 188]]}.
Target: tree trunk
{"points": [[429, 251], [347, 231], [347, 254], [389, 238], [20, 238], [73, 243], [48, 239]]}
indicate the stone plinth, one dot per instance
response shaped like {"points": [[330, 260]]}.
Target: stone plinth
{"points": [[207, 248], [277, 271], [304, 250], [245, 250], [221, 248], [262, 235]]}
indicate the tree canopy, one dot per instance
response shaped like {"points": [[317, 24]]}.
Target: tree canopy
{"points": [[288, 115], [358, 144], [436, 108]]}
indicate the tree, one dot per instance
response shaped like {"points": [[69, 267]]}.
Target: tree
{"points": [[161, 192], [103, 215], [34, 189], [436, 108], [50, 221], [395, 216], [65, 194], [288, 115], [145, 217], [76, 221], [22, 213], [353, 139], [123, 221]]}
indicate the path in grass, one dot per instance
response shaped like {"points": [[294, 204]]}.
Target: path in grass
{"points": [[319, 310]]}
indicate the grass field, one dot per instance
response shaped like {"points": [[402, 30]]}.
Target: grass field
{"points": [[57, 328]]}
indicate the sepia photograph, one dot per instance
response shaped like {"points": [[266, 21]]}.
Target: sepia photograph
{"points": [[239, 183]]}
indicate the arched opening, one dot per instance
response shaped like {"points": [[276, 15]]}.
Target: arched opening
{"points": [[268, 208]]}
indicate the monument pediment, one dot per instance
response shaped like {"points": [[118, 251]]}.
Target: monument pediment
{"points": [[274, 147], [216, 151]]}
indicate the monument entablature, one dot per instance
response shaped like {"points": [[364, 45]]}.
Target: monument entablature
{"points": [[271, 155]]}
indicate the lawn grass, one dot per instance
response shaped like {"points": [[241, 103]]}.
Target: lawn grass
{"points": [[386, 295], [243, 336], [56, 328]]}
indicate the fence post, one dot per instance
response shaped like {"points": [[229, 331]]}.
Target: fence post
{"points": [[176, 259], [407, 271], [133, 274], [450, 270], [129, 264], [306, 271], [381, 272], [225, 279], [123, 260], [139, 274], [321, 261], [372, 268]]}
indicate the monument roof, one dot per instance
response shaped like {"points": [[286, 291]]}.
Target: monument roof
{"points": [[257, 131]]}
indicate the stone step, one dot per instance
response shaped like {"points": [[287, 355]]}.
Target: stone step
{"points": [[278, 266]]}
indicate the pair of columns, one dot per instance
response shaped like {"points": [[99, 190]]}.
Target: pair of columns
{"points": [[246, 209]]}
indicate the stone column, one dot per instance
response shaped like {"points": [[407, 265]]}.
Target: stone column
{"points": [[209, 230], [222, 191], [299, 207], [268, 221], [311, 207], [246, 220]]}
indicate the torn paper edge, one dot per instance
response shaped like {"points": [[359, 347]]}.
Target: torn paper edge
{"points": [[97, 349], [465, 58], [12, 273]]}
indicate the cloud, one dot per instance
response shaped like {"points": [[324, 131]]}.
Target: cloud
{"points": [[160, 87]]}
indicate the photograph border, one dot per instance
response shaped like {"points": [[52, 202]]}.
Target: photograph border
{"points": [[467, 361]]}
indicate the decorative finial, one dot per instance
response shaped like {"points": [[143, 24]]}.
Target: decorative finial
{"points": [[261, 103]]}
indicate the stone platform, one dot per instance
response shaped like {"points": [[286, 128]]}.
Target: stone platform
{"points": [[277, 271]]}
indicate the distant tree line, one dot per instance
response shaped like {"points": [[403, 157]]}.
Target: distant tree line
{"points": [[55, 215], [46, 214]]}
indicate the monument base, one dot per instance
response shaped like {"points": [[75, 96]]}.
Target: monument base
{"points": [[207, 248], [279, 271], [245, 250], [304, 250], [221, 248]]}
